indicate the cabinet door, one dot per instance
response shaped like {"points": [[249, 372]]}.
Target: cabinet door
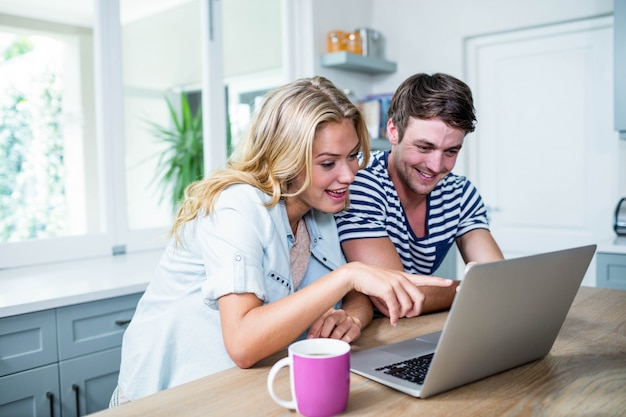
{"points": [[88, 382], [27, 341], [611, 271], [91, 327], [31, 393]]}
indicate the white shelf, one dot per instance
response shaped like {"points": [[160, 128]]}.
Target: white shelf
{"points": [[353, 62]]}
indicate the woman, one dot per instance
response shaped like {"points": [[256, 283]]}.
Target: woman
{"points": [[254, 261]]}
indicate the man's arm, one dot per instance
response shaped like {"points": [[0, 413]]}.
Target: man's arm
{"points": [[374, 251], [382, 252], [479, 246]]}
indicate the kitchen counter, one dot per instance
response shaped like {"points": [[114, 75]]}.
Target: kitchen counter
{"points": [[25, 290], [616, 245], [584, 375]]}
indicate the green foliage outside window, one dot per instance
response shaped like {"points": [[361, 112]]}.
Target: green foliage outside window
{"points": [[32, 193], [20, 46]]}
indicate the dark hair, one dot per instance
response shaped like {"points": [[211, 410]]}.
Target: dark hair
{"points": [[424, 96]]}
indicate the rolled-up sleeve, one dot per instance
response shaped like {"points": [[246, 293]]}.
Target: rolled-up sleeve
{"points": [[232, 243]]}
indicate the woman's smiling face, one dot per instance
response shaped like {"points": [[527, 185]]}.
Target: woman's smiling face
{"points": [[335, 163]]}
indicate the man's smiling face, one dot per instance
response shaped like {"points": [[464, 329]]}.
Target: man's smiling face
{"points": [[426, 153]]}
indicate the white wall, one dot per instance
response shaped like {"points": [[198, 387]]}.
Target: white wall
{"points": [[255, 27], [163, 49], [429, 35], [157, 52], [345, 15]]}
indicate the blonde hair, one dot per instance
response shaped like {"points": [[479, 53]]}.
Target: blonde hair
{"points": [[277, 146]]}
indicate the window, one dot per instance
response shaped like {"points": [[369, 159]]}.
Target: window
{"points": [[48, 139], [42, 138], [79, 82], [161, 53], [65, 177]]}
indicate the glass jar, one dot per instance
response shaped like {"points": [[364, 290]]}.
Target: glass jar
{"points": [[354, 43], [336, 41]]}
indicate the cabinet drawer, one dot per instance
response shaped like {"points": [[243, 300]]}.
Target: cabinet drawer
{"points": [[94, 326], [27, 341], [611, 271]]}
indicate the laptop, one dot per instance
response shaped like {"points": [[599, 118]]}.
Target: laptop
{"points": [[506, 314]]}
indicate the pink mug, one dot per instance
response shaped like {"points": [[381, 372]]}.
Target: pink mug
{"points": [[319, 376]]}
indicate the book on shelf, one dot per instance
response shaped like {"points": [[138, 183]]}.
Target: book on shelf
{"points": [[374, 108]]}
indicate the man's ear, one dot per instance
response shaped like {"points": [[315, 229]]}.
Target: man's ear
{"points": [[392, 132]]}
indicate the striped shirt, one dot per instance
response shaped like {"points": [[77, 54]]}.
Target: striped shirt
{"points": [[454, 208]]}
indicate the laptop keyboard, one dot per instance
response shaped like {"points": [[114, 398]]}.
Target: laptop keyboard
{"points": [[413, 370]]}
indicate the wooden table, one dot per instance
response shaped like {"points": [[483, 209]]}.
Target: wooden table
{"points": [[584, 375]]}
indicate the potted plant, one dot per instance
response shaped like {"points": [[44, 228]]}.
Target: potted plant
{"points": [[182, 161]]}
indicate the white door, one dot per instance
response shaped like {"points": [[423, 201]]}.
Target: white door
{"points": [[544, 154]]}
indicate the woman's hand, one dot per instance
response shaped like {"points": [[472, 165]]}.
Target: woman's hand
{"points": [[336, 324], [396, 292]]}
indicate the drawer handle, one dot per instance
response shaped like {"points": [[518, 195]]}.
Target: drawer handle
{"points": [[50, 397], [76, 389], [122, 322]]}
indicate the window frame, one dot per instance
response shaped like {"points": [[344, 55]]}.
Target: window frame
{"points": [[115, 238]]}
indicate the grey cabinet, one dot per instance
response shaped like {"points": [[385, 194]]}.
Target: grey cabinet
{"points": [[611, 270], [95, 326], [34, 392], [87, 382], [64, 361], [27, 341]]}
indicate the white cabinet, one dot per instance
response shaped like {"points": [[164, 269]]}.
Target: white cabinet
{"points": [[64, 361]]}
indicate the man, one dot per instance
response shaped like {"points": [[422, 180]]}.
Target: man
{"points": [[407, 208]]}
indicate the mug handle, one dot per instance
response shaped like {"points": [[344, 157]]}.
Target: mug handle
{"points": [[284, 362]]}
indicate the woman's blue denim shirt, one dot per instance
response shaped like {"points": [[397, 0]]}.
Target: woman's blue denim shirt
{"points": [[241, 247], [246, 246]]}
